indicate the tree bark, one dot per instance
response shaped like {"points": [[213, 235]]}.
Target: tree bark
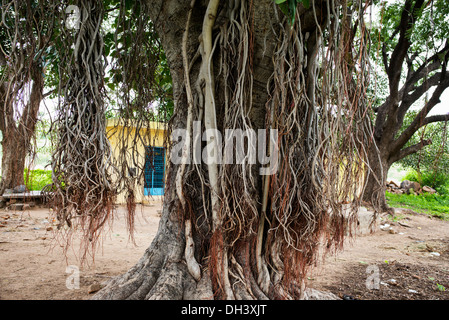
{"points": [[13, 160], [376, 181], [17, 135], [233, 263], [162, 272]]}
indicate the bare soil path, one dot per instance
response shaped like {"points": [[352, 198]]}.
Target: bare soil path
{"points": [[410, 262]]}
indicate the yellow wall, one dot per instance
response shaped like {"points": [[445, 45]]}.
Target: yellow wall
{"points": [[122, 135]]}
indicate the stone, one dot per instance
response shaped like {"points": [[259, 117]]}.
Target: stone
{"points": [[392, 282], [393, 184], [313, 294], [435, 254], [428, 189], [407, 185], [19, 189], [392, 231], [93, 288], [365, 223]]}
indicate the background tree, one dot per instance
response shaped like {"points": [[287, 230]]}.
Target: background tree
{"points": [[413, 46], [430, 164], [25, 50], [237, 230]]}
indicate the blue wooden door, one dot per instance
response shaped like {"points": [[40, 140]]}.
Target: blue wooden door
{"points": [[154, 171]]}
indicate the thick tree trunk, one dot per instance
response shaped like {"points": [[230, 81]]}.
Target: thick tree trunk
{"points": [[13, 160], [17, 135], [238, 252], [162, 272], [377, 177]]}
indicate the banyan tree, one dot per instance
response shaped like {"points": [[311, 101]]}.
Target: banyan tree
{"points": [[266, 147]]}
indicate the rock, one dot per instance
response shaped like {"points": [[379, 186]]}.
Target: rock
{"points": [[435, 254], [428, 189], [392, 231], [385, 227], [393, 184], [407, 185], [412, 291], [313, 294], [8, 191], [93, 288], [19, 189], [365, 223], [392, 282]]}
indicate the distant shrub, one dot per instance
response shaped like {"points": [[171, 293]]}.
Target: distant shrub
{"points": [[434, 179], [36, 179]]}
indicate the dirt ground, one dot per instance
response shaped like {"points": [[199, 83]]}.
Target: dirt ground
{"points": [[408, 263]]}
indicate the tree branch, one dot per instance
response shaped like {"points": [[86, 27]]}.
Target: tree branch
{"points": [[408, 151], [435, 118], [408, 17], [420, 120], [409, 99], [394, 69]]}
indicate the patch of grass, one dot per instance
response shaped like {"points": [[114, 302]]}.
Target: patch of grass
{"points": [[433, 204]]}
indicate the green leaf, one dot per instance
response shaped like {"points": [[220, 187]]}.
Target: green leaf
{"points": [[279, 1], [292, 10], [306, 3], [284, 8], [111, 85]]}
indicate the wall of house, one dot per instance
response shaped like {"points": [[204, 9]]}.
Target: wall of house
{"points": [[123, 137]]}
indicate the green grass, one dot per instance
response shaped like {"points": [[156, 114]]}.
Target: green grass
{"points": [[432, 204]]}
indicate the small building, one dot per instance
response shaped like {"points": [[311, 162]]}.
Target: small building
{"points": [[150, 156]]}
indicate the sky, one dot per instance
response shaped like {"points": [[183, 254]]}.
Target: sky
{"points": [[443, 106]]}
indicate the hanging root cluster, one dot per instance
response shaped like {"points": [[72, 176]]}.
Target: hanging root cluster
{"points": [[89, 174], [138, 107], [319, 109], [263, 243], [81, 161]]}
